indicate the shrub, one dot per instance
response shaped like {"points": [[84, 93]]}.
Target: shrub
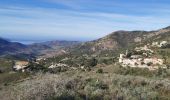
{"points": [[57, 70], [99, 71], [93, 62], [1, 71], [149, 64], [89, 62], [69, 85], [97, 84], [36, 67], [64, 96]]}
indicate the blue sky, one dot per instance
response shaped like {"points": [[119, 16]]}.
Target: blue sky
{"points": [[82, 20]]}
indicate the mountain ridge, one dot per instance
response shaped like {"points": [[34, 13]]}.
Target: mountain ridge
{"points": [[111, 42], [15, 48], [117, 40]]}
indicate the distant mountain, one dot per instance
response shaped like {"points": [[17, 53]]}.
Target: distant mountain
{"points": [[38, 47], [3, 41], [52, 48], [7, 47], [109, 45], [57, 44], [15, 49]]}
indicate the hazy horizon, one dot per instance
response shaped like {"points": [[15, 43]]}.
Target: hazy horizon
{"points": [[78, 20]]}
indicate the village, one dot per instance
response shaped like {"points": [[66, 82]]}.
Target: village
{"points": [[143, 57]]}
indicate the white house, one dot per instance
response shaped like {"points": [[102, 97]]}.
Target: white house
{"points": [[154, 61], [155, 44], [163, 43], [140, 61], [121, 58], [20, 65]]}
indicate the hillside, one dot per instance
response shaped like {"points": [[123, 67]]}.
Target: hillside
{"points": [[15, 49], [7, 47], [119, 40], [106, 50], [57, 44], [91, 70], [113, 42], [52, 48]]}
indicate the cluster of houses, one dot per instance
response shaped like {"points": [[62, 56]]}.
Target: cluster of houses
{"points": [[142, 58], [58, 65], [145, 59], [161, 44]]}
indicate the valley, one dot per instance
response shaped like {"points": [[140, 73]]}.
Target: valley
{"points": [[124, 65]]}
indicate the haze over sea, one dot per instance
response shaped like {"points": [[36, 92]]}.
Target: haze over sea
{"points": [[80, 20]]}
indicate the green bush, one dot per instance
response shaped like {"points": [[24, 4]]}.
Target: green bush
{"points": [[93, 62], [98, 84], [99, 71], [57, 70], [37, 67]]}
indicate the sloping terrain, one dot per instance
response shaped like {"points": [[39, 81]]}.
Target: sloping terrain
{"points": [[113, 42], [89, 71], [107, 49], [80, 85], [16, 49], [57, 44], [7, 47], [52, 48], [118, 40]]}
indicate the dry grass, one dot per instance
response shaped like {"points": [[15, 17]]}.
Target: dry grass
{"points": [[79, 85]]}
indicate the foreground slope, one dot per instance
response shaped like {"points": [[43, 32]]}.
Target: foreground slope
{"points": [[112, 84]]}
